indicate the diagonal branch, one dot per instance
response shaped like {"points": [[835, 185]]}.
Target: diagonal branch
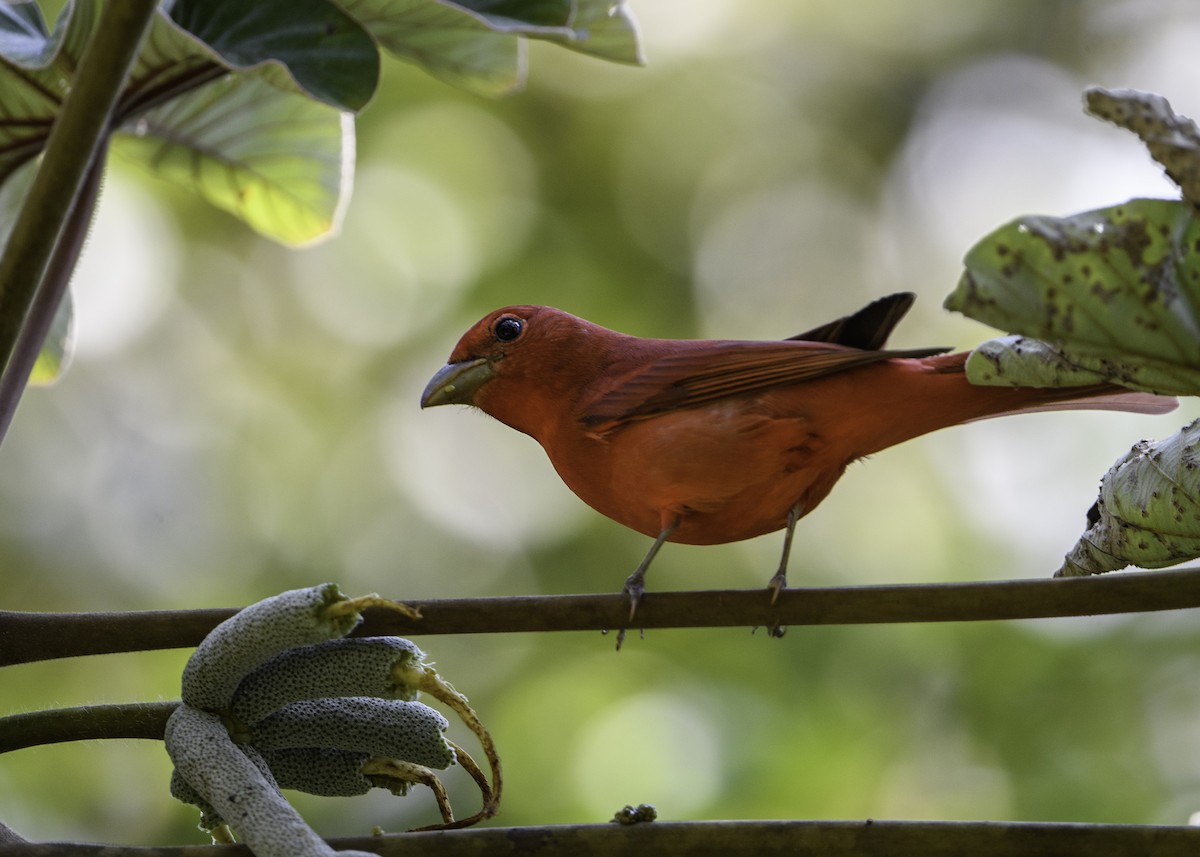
{"points": [[26, 637]]}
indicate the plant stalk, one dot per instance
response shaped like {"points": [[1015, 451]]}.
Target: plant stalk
{"points": [[76, 142]]}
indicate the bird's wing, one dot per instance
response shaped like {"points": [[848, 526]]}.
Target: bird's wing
{"points": [[705, 372], [868, 328]]}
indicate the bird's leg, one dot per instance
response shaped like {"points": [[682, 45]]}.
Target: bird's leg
{"points": [[779, 582], [635, 583]]}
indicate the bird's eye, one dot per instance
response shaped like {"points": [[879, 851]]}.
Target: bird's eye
{"points": [[508, 328]]}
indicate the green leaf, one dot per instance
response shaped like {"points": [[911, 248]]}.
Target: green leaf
{"points": [[276, 159], [1148, 512], [56, 350], [1173, 140], [477, 44], [447, 41], [1116, 291], [1019, 361], [23, 36], [604, 29], [326, 51], [35, 74]]}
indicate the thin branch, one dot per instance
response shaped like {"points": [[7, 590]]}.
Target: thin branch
{"points": [[85, 723], [26, 637], [800, 838], [74, 144]]}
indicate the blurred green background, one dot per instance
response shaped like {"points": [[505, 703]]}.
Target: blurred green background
{"points": [[242, 419]]}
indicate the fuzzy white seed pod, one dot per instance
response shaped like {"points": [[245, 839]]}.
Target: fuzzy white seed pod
{"points": [[217, 769], [210, 819], [299, 617], [257, 633], [392, 728], [358, 666]]}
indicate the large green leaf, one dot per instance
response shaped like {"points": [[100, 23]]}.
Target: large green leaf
{"points": [[1148, 512], [193, 131], [1115, 291], [275, 159], [326, 51]]}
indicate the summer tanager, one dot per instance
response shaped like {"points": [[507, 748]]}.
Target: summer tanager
{"points": [[713, 441]]}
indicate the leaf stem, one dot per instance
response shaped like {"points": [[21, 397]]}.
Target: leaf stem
{"points": [[75, 143]]}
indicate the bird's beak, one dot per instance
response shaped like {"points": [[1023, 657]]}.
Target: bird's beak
{"points": [[457, 383]]}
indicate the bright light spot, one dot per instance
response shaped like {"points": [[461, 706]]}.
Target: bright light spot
{"points": [[779, 261], [127, 272], [999, 139], [661, 745], [405, 241], [677, 28], [474, 476], [477, 161]]}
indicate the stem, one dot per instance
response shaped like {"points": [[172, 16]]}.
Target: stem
{"points": [[85, 723], [32, 336], [76, 142], [27, 637]]}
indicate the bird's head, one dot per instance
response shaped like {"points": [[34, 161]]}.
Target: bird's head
{"points": [[511, 360]]}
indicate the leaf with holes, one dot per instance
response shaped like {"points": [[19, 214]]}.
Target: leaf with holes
{"points": [[1148, 512], [1173, 140], [1116, 291]]}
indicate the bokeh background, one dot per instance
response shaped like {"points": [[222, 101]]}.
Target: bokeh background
{"points": [[241, 419]]}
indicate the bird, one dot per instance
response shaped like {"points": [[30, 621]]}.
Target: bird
{"points": [[711, 441]]}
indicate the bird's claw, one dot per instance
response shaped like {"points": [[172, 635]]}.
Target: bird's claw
{"points": [[777, 584], [634, 588]]}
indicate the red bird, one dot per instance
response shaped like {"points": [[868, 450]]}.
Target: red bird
{"points": [[713, 441]]}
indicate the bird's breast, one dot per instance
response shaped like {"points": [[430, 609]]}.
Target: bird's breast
{"points": [[731, 470]]}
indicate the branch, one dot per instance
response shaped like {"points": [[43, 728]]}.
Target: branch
{"points": [[801, 838], [26, 637], [85, 723], [75, 143]]}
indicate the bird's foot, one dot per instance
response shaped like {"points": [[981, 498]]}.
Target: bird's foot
{"points": [[777, 584], [634, 588]]}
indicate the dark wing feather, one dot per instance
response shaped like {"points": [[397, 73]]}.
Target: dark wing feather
{"points": [[868, 328], [710, 371]]}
